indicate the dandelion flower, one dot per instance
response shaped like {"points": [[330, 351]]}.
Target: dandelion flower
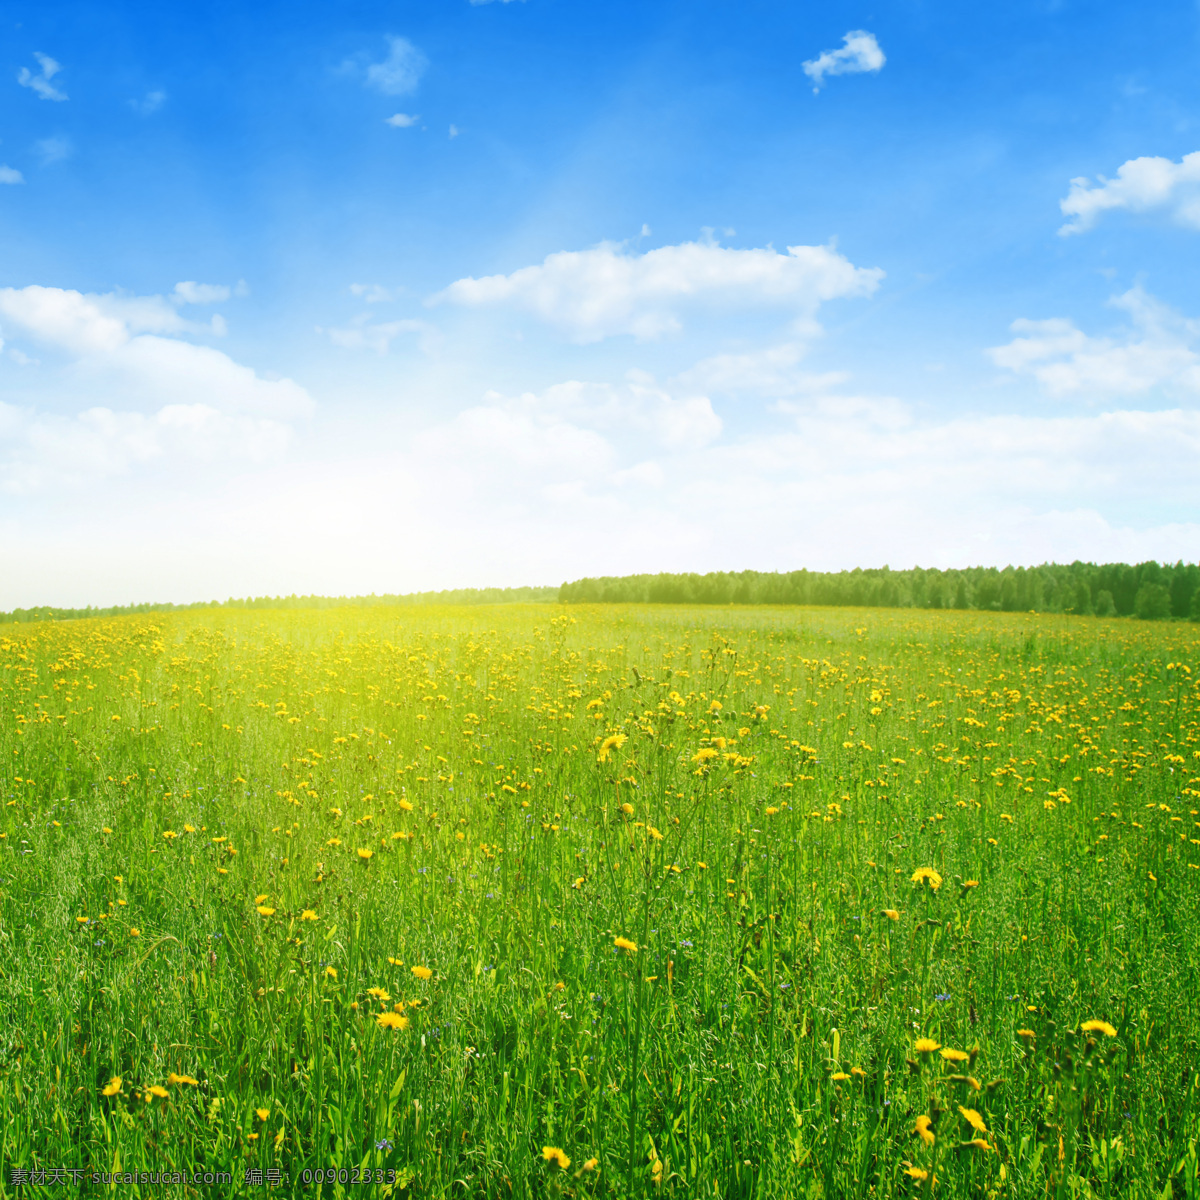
{"points": [[916, 1173], [972, 1118], [391, 1020], [112, 1087], [955, 1055], [840, 1076], [422, 973], [264, 911], [263, 1113], [591, 1164], [627, 809], [365, 854], [157, 1090], [261, 899], [134, 932], [927, 874], [926, 1045], [308, 915], [1026, 1033], [891, 914], [978, 1143], [923, 1130], [623, 943], [1098, 1027], [614, 741], [173, 1078], [554, 1154], [331, 972]]}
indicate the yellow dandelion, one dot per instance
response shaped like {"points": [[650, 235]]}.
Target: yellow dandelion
{"points": [[926, 1045], [623, 943], [331, 972], [891, 914], [978, 1143], [173, 1078], [955, 1055], [422, 973], [554, 1154], [263, 1113], [1026, 1033], [308, 915], [391, 1020], [614, 741], [134, 932], [591, 1164], [261, 899], [916, 1173], [157, 1090], [405, 804], [112, 1087], [972, 1117], [923, 1131], [365, 854], [1098, 1027], [927, 875], [840, 1076], [264, 911]]}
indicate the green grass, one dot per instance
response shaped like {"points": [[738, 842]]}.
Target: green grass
{"points": [[1046, 759]]}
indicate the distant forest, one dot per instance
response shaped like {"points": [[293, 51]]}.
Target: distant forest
{"points": [[1151, 591]]}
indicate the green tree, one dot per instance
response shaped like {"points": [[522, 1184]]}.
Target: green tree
{"points": [[1153, 602]]}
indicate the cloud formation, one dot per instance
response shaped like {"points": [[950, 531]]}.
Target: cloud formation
{"points": [[401, 120], [363, 335], [1141, 185], [53, 149], [10, 174], [190, 292], [606, 291], [1156, 350], [41, 81], [401, 71], [859, 53]]}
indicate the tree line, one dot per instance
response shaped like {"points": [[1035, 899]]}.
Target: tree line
{"points": [[1149, 590]]}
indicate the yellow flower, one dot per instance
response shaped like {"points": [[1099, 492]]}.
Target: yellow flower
{"points": [[1098, 1027], [405, 804], [955, 1055], [261, 899], [624, 943], [554, 1154], [1026, 1033], [263, 1113], [422, 973], [157, 1090], [391, 1020], [264, 911], [308, 915], [189, 829], [627, 809], [973, 1119], [654, 833], [578, 882], [891, 914], [331, 972], [173, 1078], [978, 1143], [927, 1045], [112, 1087], [591, 1164], [923, 874], [168, 834], [916, 1173], [922, 1129], [614, 741], [840, 1076], [134, 932]]}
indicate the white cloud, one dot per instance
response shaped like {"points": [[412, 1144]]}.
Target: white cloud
{"points": [[10, 175], [1141, 185], [773, 371], [401, 71], [131, 346], [40, 83], [362, 335], [151, 102], [401, 120], [605, 291], [860, 53], [372, 293], [1157, 349], [190, 292], [53, 149], [454, 131]]}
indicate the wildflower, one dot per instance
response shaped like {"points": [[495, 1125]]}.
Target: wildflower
{"points": [[263, 1113], [308, 915], [623, 943], [264, 911], [955, 1055], [926, 1045], [261, 899], [916, 1173], [614, 741], [591, 1164], [405, 804], [422, 973], [157, 1090], [169, 834], [891, 914], [173, 1078], [972, 1118], [627, 809], [391, 1020], [365, 854], [840, 1076], [554, 1154], [654, 833], [578, 883], [927, 874], [772, 811], [112, 1087], [978, 1143], [134, 932], [859, 1072], [189, 829], [1098, 1027], [331, 972], [923, 1130]]}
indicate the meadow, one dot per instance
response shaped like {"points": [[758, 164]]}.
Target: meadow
{"points": [[621, 901]]}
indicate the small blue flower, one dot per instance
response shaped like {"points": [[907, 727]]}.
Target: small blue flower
{"points": [[383, 1144]]}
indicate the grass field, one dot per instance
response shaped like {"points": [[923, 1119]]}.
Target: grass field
{"points": [[619, 901]]}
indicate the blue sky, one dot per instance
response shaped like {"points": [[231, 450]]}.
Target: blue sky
{"points": [[383, 297]]}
